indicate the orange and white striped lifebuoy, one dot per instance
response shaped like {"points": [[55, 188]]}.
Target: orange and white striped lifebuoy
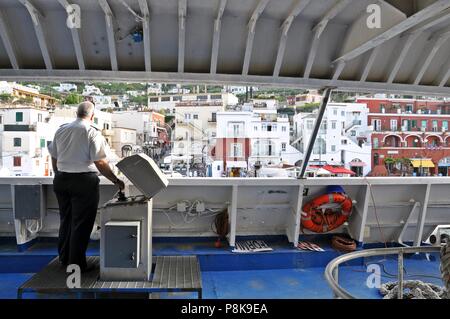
{"points": [[319, 220]]}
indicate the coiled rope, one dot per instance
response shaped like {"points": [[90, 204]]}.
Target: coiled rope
{"points": [[445, 267], [416, 289]]}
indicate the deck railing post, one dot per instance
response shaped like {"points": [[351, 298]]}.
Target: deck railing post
{"points": [[336, 278], [400, 275]]}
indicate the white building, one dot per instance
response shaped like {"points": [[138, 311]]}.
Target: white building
{"points": [[124, 141], [239, 89], [247, 137], [25, 133], [66, 87], [195, 129], [343, 139], [102, 101], [168, 102], [148, 128], [312, 96], [91, 90]]}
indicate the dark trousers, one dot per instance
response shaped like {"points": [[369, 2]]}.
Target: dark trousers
{"points": [[78, 197]]}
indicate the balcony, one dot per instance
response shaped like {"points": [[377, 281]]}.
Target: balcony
{"points": [[19, 128]]}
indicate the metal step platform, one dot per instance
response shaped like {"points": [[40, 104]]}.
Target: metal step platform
{"points": [[171, 274]]}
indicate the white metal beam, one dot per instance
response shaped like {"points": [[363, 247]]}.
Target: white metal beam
{"points": [[438, 42], [406, 24], [444, 75], [109, 19], [182, 11], [216, 36], [219, 79], [8, 43], [145, 12], [296, 10], [251, 34], [318, 29], [422, 216], [369, 64], [36, 16], [398, 60], [75, 39], [338, 70]]}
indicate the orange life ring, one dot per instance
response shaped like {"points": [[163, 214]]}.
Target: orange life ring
{"points": [[319, 221]]}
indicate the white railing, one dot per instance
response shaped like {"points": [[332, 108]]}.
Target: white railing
{"points": [[404, 208]]}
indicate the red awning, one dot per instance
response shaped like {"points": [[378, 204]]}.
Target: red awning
{"points": [[338, 170]]}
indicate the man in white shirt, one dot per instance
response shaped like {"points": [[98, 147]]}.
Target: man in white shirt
{"points": [[78, 152]]}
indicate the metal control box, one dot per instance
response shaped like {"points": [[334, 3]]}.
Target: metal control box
{"points": [[122, 244], [126, 240], [126, 226], [28, 201]]}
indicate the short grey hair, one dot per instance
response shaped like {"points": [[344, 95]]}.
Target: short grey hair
{"points": [[85, 109]]}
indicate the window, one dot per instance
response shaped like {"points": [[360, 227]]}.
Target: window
{"points": [[236, 130], [376, 124], [95, 120], [195, 116], [236, 150], [187, 116], [333, 148], [375, 142], [424, 124], [444, 125], [283, 147], [202, 97], [283, 128], [17, 142], [353, 133], [216, 97], [39, 117], [42, 143], [176, 98], [274, 127], [333, 125], [413, 123], [154, 99], [309, 124], [17, 161], [255, 128], [344, 142], [393, 125], [334, 111], [214, 116], [1, 119], [320, 146], [19, 116], [342, 113], [165, 99], [435, 125]]}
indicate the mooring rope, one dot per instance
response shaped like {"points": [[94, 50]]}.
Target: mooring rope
{"points": [[445, 267], [416, 289]]}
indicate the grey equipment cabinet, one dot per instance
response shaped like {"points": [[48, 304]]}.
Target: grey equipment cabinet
{"points": [[126, 226]]}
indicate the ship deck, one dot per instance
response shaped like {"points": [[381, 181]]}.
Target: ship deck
{"points": [[284, 273]]}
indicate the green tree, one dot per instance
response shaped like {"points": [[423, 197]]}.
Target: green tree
{"points": [[73, 98], [6, 98]]}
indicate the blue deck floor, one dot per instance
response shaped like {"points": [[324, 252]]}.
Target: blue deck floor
{"points": [[284, 273]]}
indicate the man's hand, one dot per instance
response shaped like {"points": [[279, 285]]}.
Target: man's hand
{"points": [[120, 183]]}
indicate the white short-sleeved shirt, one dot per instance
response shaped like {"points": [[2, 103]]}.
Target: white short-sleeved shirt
{"points": [[76, 146]]}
